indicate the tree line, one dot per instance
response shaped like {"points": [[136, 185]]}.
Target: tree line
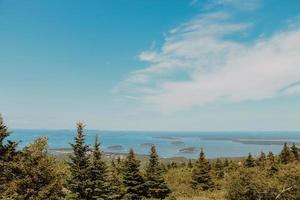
{"points": [[33, 174]]}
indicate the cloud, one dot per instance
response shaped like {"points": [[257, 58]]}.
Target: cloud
{"points": [[240, 4], [199, 64]]}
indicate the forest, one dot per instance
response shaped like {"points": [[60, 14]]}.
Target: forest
{"points": [[32, 173]]}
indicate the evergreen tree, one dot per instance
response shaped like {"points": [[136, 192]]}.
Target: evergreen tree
{"points": [[271, 157], [8, 150], [219, 169], [36, 175], [261, 161], [285, 155], [201, 174], [155, 183], [190, 164], [97, 172], [295, 152], [116, 189], [132, 179], [8, 154], [249, 162], [226, 163], [79, 183]]}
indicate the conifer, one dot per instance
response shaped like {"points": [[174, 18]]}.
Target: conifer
{"points": [[8, 154], [8, 150], [261, 161], [201, 177], [155, 183], [271, 157], [132, 179], [295, 152], [219, 169], [190, 164], [249, 162], [285, 155], [79, 183], [35, 175], [97, 172], [116, 188]]}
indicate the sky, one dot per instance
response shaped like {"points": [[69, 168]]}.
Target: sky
{"points": [[183, 65]]}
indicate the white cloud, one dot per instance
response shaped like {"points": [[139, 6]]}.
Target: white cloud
{"points": [[211, 68], [239, 4]]}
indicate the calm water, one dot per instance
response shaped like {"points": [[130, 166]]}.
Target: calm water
{"points": [[215, 144]]}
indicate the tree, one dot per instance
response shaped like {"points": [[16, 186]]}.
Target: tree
{"points": [[155, 183], [251, 184], [295, 152], [36, 175], [201, 174], [132, 179], [97, 172], [190, 164], [249, 162], [219, 169], [79, 182], [8, 150], [116, 189], [8, 154], [285, 155], [271, 157], [261, 161]]}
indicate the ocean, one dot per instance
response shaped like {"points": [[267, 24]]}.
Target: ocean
{"points": [[168, 144]]}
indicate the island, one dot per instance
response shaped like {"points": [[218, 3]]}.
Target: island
{"points": [[116, 147], [188, 150]]}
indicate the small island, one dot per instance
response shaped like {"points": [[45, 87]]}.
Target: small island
{"points": [[177, 143], [146, 145], [188, 150], [116, 147]]}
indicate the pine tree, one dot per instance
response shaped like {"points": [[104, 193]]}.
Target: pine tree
{"points": [[201, 174], [132, 179], [8, 154], [155, 183], [219, 169], [190, 164], [261, 161], [295, 152], [226, 163], [116, 189], [285, 155], [271, 157], [97, 172], [249, 162], [79, 182], [36, 175], [8, 150]]}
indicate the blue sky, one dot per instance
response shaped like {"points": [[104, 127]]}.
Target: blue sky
{"points": [[151, 65]]}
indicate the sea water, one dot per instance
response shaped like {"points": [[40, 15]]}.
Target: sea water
{"points": [[168, 144]]}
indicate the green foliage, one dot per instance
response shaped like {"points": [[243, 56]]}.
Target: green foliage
{"points": [[295, 151], [261, 161], [155, 183], [132, 178], [201, 177], [35, 175], [79, 183], [190, 164], [250, 184], [286, 155], [249, 162], [8, 150], [116, 188], [219, 169], [98, 185]]}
